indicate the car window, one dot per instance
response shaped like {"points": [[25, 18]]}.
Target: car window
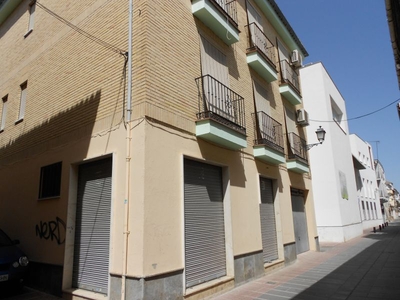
{"points": [[4, 239]]}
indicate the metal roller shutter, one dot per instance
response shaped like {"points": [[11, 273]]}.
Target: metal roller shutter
{"points": [[268, 225], [300, 221], [92, 235], [205, 257]]}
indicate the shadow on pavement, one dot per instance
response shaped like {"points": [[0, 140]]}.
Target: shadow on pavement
{"points": [[373, 272], [12, 292]]}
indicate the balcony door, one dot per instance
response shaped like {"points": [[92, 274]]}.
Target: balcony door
{"points": [[283, 52], [290, 118], [284, 58], [213, 62], [261, 97], [217, 95], [265, 126], [255, 17]]}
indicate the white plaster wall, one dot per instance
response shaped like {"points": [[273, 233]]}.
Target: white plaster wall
{"points": [[361, 149], [324, 184], [337, 218]]}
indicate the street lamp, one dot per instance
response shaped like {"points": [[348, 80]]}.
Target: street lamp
{"points": [[320, 132]]}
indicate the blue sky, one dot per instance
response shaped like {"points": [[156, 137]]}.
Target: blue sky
{"points": [[351, 38]]}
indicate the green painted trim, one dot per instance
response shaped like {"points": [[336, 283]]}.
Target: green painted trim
{"points": [[266, 154], [258, 63], [290, 94], [214, 20], [297, 166], [283, 32], [219, 134], [7, 8]]}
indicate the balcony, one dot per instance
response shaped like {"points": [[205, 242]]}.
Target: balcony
{"points": [[221, 117], [261, 53], [297, 161], [290, 85], [269, 145], [220, 16], [7, 7]]}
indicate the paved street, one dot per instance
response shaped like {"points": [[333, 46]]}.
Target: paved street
{"points": [[367, 267], [27, 294]]}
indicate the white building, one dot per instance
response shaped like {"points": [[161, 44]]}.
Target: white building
{"points": [[367, 188], [334, 185], [382, 189]]}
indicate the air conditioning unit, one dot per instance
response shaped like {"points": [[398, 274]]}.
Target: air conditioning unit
{"points": [[296, 58], [302, 117]]}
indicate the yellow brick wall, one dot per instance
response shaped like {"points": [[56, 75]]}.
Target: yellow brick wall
{"points": [[172, 62], [73, 82], [64, 68]]}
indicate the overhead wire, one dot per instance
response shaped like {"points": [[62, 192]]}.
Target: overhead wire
{"points": [[82, 32], [362, 116]]}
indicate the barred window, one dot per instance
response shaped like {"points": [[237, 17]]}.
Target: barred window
{"points": [[50, 181]]}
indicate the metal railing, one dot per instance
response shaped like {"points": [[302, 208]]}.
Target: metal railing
{"points": [[269, 132], [229, 7], [298, 147], [258, 40], [289, 75], [220, 103]]}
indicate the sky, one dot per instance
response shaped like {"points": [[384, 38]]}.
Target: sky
{"points": [[351, 38]]}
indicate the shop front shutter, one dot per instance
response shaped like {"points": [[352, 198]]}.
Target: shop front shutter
{"points": [[268, 223], [92, 229], [205, 257], [300, 221]]}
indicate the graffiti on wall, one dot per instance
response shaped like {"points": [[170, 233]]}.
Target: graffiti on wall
{"points": [[52, 230]]}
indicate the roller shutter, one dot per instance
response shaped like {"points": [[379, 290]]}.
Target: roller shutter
{"points": [[92, 233], [268, 224], [213, 62], [205, 257], [300, 221]]}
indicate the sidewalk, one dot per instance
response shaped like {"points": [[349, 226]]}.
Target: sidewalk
{"points": [[366, 267], [27, 294]]}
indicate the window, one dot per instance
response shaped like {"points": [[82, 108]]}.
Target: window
{"points": [[22, 102], [50, 181], [32, 8], [3, 113], [336, 112], [363, 209]]}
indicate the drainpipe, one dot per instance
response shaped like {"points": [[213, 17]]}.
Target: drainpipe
{"points": [[128, 158]]}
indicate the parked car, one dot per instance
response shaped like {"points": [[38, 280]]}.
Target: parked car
{"points": [[13, 262]]}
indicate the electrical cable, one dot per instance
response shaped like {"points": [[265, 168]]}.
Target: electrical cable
{"points": [[362, 116], [81, 31]]}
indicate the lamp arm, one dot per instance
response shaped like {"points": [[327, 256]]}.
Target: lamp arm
{"points": [[309, 146]]}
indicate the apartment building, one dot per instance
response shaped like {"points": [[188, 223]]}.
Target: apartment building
{"points": [[382, 189], [191, 182], [335, 191], [366, 183], [393, 19]]}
